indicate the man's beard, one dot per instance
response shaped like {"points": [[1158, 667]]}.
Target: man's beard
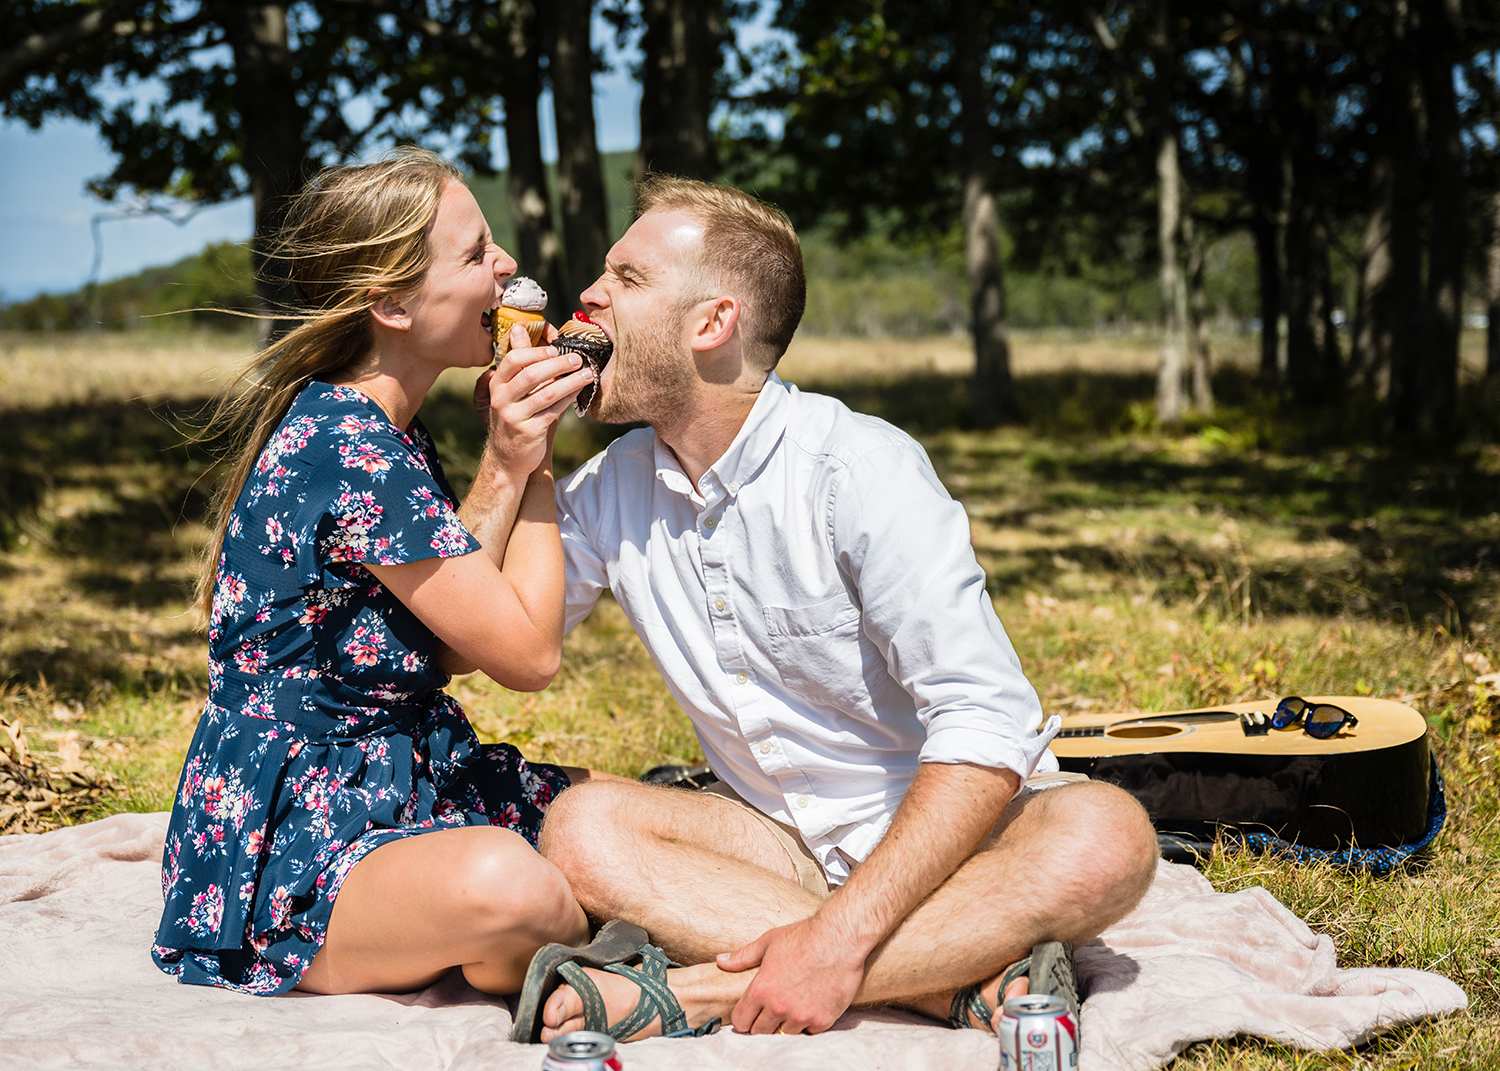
{"points": [[652, 379]]}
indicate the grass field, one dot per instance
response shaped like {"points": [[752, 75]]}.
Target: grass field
{"points": [[1252, 555]]}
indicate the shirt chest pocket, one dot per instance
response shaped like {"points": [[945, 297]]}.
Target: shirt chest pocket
{"points": [[819, 651]]}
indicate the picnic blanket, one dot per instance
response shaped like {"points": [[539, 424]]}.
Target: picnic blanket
{"points": [[79, 908]]}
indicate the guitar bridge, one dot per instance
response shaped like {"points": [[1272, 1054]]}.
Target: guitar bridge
{"points": [[1255, 723]]}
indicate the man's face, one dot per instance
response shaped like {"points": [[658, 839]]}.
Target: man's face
{"points": [[639, 301]]}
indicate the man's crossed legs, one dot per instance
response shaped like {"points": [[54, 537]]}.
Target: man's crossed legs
{"points": [[704, 876]]}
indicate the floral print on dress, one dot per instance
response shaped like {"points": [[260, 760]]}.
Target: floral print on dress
{"points": [[326, 732]]}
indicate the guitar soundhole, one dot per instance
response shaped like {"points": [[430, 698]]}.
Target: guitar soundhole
{"points": [[1146, 732]]}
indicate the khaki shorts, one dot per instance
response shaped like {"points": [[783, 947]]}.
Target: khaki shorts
{"points": [[810, 874]]}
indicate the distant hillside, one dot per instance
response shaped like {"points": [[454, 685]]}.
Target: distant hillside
{"points": [[216, 278]]}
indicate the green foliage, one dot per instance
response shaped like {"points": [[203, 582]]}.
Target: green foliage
{"points": [[192, 290], [493, 194]]}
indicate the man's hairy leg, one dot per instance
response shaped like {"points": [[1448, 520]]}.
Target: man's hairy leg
{"points": [[702, 877], [700, 874], [1061, 864]]}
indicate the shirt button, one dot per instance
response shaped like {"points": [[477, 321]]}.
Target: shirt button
{"points": [[709, 522], [719, 605], [765, 747], [741, 678], [801, 801], [734, 486]]}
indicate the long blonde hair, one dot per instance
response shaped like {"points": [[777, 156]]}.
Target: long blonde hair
{"points": [[353, 234]]}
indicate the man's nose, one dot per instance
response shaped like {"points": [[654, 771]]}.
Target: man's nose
{"points": [[593, 297]]}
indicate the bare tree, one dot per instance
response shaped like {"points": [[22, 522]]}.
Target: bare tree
{"points": [[679, 57], [992, 399]]}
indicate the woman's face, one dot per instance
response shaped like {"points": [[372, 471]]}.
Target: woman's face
{"points": [[463, 282]]}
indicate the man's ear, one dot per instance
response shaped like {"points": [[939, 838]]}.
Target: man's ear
{"points": [[713, 322], [389, 311]]}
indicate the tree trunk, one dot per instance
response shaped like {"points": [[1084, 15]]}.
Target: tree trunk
{"points": [[1266, 229], [1171, 373], [680, 50], [1492, 295], [537, 243], [1436, 407], [1370, 354], [1311, 352], [992, 398], [275, 152], [1201, 368], [580, 178], [1407, 309]]}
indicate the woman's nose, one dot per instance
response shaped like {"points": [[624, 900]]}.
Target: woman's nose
{"points": [[505, 265]]}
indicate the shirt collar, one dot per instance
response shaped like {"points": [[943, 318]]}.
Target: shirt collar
{"points": [[757, 438]]}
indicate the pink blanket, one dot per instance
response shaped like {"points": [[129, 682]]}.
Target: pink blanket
{"points": [[78, 908]]}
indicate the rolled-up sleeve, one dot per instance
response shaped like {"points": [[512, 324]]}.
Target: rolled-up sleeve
{"points": [[904, 543]]}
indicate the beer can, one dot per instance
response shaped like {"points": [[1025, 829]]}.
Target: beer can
{"points": [[1037, 1033], [581, 1050]]}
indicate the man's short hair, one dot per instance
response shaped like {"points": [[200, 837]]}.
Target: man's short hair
{"points": [[749, 250]]}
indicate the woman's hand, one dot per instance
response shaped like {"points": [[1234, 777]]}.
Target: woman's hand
{"points": [[523, 399]]}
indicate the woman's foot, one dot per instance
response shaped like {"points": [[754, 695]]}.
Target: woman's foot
{"points": [[704, 992]]}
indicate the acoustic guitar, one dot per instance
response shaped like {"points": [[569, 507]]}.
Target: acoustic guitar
{"points": [[1194, 770]]}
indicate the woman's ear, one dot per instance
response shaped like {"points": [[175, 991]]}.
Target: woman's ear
{"points": [[712, 322], [389, 311]]}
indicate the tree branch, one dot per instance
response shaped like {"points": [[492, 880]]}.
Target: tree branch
{"points": [[39, 49], [471, 43]]}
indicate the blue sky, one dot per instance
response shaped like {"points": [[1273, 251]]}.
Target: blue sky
{"points": [[45, 213]]}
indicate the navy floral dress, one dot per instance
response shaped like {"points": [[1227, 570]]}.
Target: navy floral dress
{"points": [[326, 732]]}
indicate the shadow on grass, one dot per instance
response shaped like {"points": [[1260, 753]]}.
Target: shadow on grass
{"points": [[1420, 532]]}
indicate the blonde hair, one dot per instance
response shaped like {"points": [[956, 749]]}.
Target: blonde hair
{"points": [[354, 234], [749, 248]]}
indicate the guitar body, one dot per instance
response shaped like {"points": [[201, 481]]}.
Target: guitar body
{"points": [[1196, 770]]}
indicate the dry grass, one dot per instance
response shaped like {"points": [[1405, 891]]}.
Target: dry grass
{"points": [[36, 372], [1133, 569]]}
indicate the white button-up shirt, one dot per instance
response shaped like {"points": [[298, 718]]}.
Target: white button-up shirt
{"points": [[815, 607]]}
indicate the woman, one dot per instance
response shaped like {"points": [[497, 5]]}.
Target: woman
{"points": [[338, 827]]}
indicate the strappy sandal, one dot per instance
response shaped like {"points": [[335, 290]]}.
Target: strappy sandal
{"points": [[565, 966], [1051, 971], [616, 942]]}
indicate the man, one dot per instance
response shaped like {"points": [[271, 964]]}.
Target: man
{"points": [[808, 591]]}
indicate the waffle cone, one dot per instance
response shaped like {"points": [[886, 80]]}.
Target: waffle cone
{"points": [[504, 318]]}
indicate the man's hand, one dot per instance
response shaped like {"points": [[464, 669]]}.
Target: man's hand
{"points": [[808, 977]]}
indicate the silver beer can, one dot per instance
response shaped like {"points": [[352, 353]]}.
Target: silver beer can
{"points": [[581, 1050], [1037, 1033]]}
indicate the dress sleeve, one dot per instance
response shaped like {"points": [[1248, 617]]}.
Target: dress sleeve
{"points": [[375, 495], [924, 605]]}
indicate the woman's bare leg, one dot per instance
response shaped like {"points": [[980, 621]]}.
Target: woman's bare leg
{"points": [[476, 897]]}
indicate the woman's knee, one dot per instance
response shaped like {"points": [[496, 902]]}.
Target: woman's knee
{"points": [[507, 891]]}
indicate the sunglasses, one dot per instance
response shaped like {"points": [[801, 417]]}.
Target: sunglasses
{"points": [[1319, 720]]}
